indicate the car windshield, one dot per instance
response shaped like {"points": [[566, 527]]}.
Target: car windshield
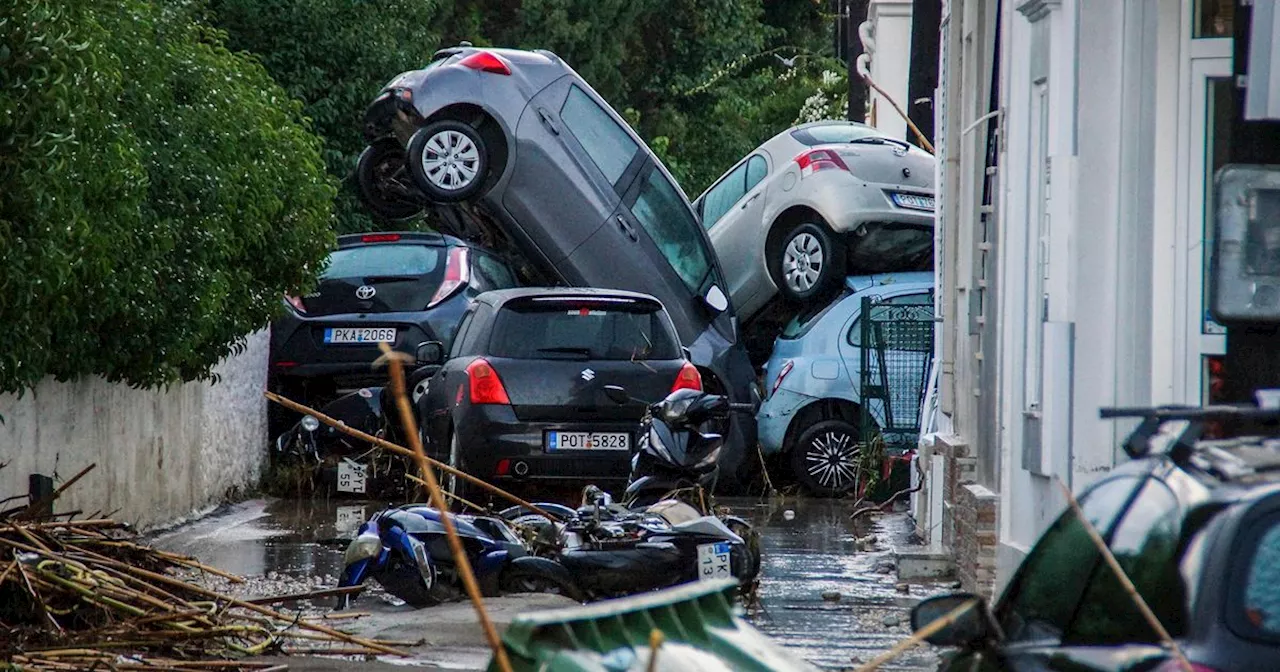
{"points": [[583, 330], [827, 134], [410, 261]]}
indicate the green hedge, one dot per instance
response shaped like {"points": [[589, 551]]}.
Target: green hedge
{"points": [[159, 193]]}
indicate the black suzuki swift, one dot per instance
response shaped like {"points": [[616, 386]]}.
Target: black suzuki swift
{"points": [[522, 393]]}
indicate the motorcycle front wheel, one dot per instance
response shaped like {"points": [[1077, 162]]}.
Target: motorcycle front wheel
{"points": [[518, 580]]}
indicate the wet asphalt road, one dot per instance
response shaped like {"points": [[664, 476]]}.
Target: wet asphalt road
{"points": [[828, 592]]}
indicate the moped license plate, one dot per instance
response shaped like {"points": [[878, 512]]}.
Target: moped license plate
{"points": [[352, 476], [713, 561]]}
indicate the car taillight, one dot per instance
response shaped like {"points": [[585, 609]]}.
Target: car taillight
{"points": [[487, 62], [296, 303], [777, 382], [815, 160], [504, 466], [486, 386], [689, 379], [457, 273], [379, 237], [1175, 666]]}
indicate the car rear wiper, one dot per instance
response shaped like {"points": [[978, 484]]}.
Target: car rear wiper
{"points": [[879, 140], [584, 352]]}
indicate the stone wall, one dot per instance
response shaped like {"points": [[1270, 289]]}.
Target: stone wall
{"points": [[975, 520], [160, 454]]}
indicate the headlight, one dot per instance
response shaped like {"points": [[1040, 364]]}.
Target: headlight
{"points": [[363, 547], [310, 423], [710, 459]]}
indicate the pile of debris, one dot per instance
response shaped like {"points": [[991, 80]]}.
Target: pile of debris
{"points": [[84, 594]]}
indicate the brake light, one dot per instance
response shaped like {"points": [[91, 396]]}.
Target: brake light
{"points": [[487, 62], [486, 386], [457, 273], [1175, 666], [786, 368], [379, 237], [815, 160], [689, 379], [296, 303], [504, 466]]}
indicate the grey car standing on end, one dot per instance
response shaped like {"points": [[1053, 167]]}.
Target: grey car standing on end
{"points": [[514, 149]]}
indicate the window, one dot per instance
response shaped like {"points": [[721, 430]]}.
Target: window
{"points": [[1214, 18], [608, 144], [664, 214], [1043, 595], [382, 260], [757, 169], [461, 333], [834, 133], [918, 299], [1262, 587], [494, 272], [577, 330], [1145, 544], [720, 198], [802, 323]]}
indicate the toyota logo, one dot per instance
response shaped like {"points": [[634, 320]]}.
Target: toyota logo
{"points": [[365, 292]]}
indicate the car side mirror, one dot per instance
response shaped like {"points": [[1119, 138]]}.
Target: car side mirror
{"points": [[430, 352], [616, 394], [716, 299], [1246, 258], [962, 627]]}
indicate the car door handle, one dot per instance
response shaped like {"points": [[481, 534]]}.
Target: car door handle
{"points": [[627, 229], [749, 200], [548, 121]]}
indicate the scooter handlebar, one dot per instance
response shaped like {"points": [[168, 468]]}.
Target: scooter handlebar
{"points": [[743, 407]]}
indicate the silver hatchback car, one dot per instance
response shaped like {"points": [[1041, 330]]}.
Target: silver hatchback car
{"points": [[814, 204]]}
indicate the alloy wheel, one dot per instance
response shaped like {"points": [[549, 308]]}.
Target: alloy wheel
{"points": [[830, 459], [450, 160], [802, 262]]}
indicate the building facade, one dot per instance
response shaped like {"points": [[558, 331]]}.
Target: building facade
{"points": [[1077, 142]]}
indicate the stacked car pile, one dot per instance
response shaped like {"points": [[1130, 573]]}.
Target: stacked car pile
{"points": [[549, 188]]}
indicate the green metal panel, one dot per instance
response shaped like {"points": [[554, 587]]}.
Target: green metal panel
{"points": [[702, 630], [897, 345]]}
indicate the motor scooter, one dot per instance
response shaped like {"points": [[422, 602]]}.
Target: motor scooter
{"points": [[678, 447]]}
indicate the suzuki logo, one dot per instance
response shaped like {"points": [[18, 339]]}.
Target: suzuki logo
{"points": [[365, 292], [588, 375]]}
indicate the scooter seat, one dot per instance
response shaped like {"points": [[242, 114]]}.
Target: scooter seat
{"points": [[674, 511]]}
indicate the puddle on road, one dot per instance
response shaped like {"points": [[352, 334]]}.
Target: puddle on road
{"points": [[813, 553]]}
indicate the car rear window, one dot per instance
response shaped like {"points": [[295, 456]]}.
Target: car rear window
{"points": [[803, 322], [581, 330], [833, 134], [383, 261], [1262, 588]]}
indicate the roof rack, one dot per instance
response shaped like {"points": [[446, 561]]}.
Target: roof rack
{"points": [[1186, 447]]}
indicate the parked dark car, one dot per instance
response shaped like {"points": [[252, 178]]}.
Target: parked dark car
{"points": [[513, 149], [521, 396], [403, 288], [1196, 527]]}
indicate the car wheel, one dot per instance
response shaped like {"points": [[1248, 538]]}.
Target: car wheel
{"points": [[825, 458], [384, 183], [809, 264], [455, 485], [448, 160]]}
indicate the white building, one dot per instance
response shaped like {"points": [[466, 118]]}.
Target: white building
{"points": [[1072, 249], [890, 67]]}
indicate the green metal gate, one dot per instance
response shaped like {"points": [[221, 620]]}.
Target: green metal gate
{"points": [[896, 348]]}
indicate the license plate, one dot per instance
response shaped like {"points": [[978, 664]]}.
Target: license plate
{"points": [[352, 476], [588, 441], [913, 201], [348, 519], [713, 561], [360, 335]]}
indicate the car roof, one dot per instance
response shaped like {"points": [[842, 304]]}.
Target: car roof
{"points": [[884, 281], [420, 237], [498, 298]]}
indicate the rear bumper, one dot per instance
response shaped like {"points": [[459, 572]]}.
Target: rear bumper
{"points": [[489, 434], [775, 415]]}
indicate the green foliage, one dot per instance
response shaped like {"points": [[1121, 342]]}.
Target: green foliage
{"points": [[159, 194]]}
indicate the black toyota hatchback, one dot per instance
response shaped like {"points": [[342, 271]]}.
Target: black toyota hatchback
{"points": [[1194, 523], [521, 395], [402, 288]]}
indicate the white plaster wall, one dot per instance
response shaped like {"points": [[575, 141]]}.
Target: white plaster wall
{"points": [[891, 63], [161, 454]]}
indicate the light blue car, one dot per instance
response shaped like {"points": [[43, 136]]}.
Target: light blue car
{"points": [[813, 386]]}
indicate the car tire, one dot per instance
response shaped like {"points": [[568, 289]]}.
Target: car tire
{"points": [[384, 182], [456, 486], [825, 458], [449, 161], [809, 263]]}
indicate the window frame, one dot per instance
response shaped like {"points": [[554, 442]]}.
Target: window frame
{"points": [[603, 111], [1261, 519], [641, 183], [723, 181]]}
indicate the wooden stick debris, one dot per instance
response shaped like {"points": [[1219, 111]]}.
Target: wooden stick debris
{"points": [[460, 558], [401, 450], [1123, 578], [450, 495], [53, 496], [313, 595], [918, 636]]}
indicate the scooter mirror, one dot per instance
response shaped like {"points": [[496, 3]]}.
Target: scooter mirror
{"points": [[616, 394]]}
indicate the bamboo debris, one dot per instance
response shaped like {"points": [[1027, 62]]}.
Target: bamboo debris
{"points": [[84, 594]]}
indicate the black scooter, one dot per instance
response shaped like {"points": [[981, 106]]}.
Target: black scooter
{"points": [[678, 448]]}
